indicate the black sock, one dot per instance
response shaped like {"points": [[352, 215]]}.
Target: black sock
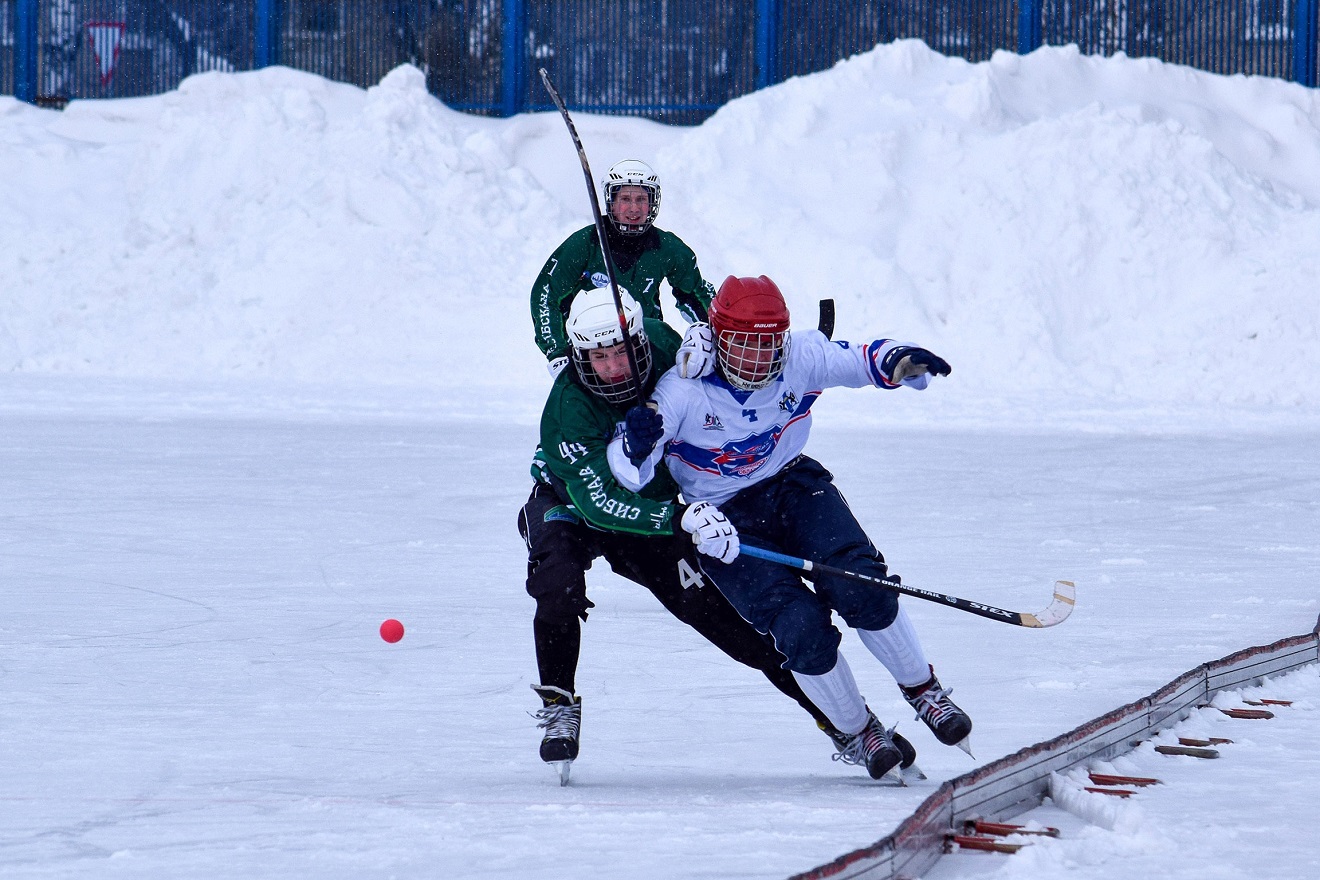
{"points": [[557, 647]]}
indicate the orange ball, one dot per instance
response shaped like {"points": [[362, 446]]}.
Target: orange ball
{"points": [[391, 630]]}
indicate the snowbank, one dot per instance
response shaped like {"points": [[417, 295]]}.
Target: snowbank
{"points": [[1070, 232]]}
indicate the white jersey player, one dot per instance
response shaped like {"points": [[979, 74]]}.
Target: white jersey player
{"points": [[720, 438], [733, 439]]}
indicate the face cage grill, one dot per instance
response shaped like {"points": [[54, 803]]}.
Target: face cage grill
{"points": [[739, 361], [613, 392], [627, 228]]}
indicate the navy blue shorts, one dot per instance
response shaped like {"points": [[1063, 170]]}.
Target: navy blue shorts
{"points": [[800, 512]]}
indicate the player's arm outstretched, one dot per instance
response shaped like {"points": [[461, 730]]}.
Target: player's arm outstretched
{"points": [[884, 363]]}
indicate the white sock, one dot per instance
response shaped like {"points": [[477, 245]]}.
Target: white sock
{"points": [[898, 648], [835, 693]]}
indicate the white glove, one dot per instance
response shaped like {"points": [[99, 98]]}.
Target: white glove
{"points": [[696, 356], [711, 531], [556, 366]]}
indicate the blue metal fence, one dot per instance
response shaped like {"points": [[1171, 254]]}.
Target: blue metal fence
{"points": [[673, 60]]}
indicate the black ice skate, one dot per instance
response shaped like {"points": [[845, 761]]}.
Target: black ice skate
{"points": [[874, 748], [951, 725], [561, 717], [907, 765]]}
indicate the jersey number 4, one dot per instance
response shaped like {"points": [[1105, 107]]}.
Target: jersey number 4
{"points": [[688, 576]]}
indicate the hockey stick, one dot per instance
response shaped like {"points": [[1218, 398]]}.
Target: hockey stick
{"points": [[826, 324], [610, 268], [1065, 592]]}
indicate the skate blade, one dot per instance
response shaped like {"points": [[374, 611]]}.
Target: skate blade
{"points": [[912, 773], [564, 768], [966, 745], [893, 777]]}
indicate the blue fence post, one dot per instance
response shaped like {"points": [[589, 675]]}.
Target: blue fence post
{"points": [[1030, 35], [267, 46], [25, 51], [767, 43], [513, 69], [1304, 43]]}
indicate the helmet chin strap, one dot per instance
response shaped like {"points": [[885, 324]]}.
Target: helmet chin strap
{"points": [[630, 228]]}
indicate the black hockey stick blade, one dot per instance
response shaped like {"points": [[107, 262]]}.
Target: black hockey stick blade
{"points": [[610, 268], [826, 323], [1065, 592]]}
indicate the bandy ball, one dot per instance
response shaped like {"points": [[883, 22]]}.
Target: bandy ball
{"points": [[391, 630]]}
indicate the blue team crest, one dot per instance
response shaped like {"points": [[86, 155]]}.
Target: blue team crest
{"points": [[737, 458], [743, 458], [600, 279]]}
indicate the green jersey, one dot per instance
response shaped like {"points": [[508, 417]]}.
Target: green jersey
{"points": [[643, 262], [576, 430]]}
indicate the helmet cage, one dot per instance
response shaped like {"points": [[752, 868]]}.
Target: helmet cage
{"points": [[631, 172], [593, 323], [749, 361], [620, 392]]}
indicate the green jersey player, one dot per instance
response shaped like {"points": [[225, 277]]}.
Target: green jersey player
{"points": [[644, 255], [577, 513]]}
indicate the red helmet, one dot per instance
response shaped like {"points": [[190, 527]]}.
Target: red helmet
{"points": [[749, 320]]}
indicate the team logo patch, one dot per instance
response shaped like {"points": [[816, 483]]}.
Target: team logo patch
{"points": [[560, 513], [600, 279], [741, 458], [745, 457], [788, 402], [713, 423]]}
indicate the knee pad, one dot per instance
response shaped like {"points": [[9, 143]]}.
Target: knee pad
{"points": [[557, 575], [561, 606]]}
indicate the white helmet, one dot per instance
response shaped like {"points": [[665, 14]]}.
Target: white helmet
{"points": [[632, 172], [593, 322]]}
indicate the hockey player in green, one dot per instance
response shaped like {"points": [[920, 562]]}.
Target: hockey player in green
{"points": [[578, 513], [643, 254]]}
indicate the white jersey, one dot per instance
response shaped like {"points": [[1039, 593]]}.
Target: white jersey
{"points": [[719, 440]]}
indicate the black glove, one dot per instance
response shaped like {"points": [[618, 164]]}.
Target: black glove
{"points": [[642, 429], [906, 362]]}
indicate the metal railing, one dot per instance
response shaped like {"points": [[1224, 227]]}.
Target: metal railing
{"points": [[1016, 783], [672, 60]]}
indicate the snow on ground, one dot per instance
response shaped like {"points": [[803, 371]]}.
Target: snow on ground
{"points": [[269, 380]]}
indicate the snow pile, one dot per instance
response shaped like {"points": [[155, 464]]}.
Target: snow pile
{"points": [[265, 224], [1101, 232]]}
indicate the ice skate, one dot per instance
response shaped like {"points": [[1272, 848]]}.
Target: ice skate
{"points": [[874, 747], [907, 765], [561, 717], [951, 725]]}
